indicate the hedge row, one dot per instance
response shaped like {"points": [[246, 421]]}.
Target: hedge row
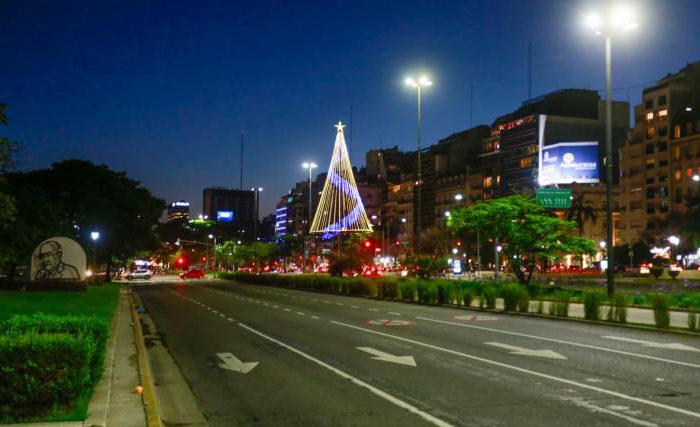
{"points": [[47, 362]]}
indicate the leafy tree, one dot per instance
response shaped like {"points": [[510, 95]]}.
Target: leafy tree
{"points": [[581, 210], [75, 197], [527, 231], [8, 150], [436, 241]]}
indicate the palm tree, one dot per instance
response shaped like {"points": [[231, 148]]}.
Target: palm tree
{"points": [[581, 211]]}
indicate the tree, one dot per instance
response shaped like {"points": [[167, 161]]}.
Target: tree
{"points": [[527, 231], [8, 150], [436, 241], [581, 210], [75, 197]]}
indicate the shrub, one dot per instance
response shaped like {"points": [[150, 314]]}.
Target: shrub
{"points": [[42, 371], [467, 296], [693, 320], [673, 274], [660, 304], [592, 300], [619, 304], [407, 290], [489, 294], [515, 297], [559, 306], [92, 329], [387, 289], [656, 271]]}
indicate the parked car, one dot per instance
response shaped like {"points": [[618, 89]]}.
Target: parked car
{"points": [[192, 274], [138, 274]]}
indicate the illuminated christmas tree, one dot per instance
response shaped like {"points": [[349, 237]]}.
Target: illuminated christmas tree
{"points": [[340, 209]]}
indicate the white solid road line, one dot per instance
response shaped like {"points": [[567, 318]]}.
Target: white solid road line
{"points": [[384, 395], [582, 403], [592, 347], [527, 371]]}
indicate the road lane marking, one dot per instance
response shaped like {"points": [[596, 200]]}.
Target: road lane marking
{"points": [[384, 395], [388, 357], [592, 347], [652, 344], [287, 309], [527, 371], [393, 313], [522, 351], [372, 309], [354, 306], [275, 306], [232, 363], [315, 317], [582, 403], [300, 313], [389, 322]]}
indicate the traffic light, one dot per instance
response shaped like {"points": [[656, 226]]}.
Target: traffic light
{"points": [[180, 260], [368, 244]]}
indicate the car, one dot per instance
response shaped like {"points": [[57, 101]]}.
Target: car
{"points": [[192, 274], [138, 274]]}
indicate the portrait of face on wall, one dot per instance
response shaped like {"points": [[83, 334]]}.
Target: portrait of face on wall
{"points": [[58, 258]]}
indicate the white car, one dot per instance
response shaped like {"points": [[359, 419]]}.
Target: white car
{"points": [[138, 274]]}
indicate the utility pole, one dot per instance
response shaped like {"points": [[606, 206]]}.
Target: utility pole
{"points": [[241, 159]]}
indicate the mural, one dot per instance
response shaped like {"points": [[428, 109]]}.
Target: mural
{"points": [[58, 258]]}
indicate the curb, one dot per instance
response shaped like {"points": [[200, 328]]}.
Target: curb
{"points": [[150, 400], [638, 326]]}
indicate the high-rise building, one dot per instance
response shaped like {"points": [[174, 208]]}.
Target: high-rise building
{"points": [[232, 206], [178, 211], [661, 158]]}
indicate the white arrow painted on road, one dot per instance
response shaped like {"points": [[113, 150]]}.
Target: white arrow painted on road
{"points": [[232, 363], [548, 354], [652, 344], [386, 357]]}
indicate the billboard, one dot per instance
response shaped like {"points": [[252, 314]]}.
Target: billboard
{"points": [[568, 162], [224, 216]]}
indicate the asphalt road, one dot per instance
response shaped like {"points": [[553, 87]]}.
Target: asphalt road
{"points": [[342, 361]]}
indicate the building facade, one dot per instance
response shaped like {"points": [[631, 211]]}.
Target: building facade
{"points": [[178, 211]]}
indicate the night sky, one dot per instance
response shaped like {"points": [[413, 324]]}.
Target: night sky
{"points": [[161, 89]]}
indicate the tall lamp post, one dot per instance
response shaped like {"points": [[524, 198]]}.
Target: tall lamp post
{"points": [[257, 192], [95, 236], [422, 82], [211, 236], [616, 20], [310, 166]]}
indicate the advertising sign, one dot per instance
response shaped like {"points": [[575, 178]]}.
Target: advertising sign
{"points": [[568, 162], [224, 216], [555, 198], [58, 258]]}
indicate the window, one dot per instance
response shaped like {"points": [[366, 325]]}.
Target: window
{"points": [[676, 154], [663, 131], [676, 131], [663, 178], [663, 208], [635, 205], [651, 225], [650, 192], [650, 149], [663, 191], [663, 163], [677, 175], [650, 117], [663, 146], [651, 132], [689, 172], [526, 162], [650, 208], [488, 182], [663, 114], [679, 197], [650, 163], [687, 153], [650, 180], [662, 100], [649, 104]]}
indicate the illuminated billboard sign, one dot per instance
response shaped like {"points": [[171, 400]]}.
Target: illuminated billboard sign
{"points": [[224, 216], [568, 162], [180, 204]]}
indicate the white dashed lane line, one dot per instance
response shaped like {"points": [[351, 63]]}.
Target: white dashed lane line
{"points": [[395, 313]]}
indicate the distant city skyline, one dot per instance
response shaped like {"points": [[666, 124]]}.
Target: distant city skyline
{"points": [[161, 90]]}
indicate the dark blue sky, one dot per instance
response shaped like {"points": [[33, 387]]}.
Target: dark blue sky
{"points": [[161, 89]]}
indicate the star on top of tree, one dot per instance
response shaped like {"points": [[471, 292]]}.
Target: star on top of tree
{"points": [[339, 126]]}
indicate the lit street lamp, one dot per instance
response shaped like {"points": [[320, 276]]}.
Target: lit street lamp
{"points": [[696, 178], [257, 192], [422, 82], [310, 166], [617, 19], [95, 236]]}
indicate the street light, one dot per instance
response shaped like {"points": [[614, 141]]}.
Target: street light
{"points": [[256, 191], [95, 236], [422, 82], [211, 236], [618, 19], [458, 197], [310, 166], [696, 178]]}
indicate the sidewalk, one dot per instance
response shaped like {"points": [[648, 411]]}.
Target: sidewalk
{"points": [[644, 316], [114, 402]]}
